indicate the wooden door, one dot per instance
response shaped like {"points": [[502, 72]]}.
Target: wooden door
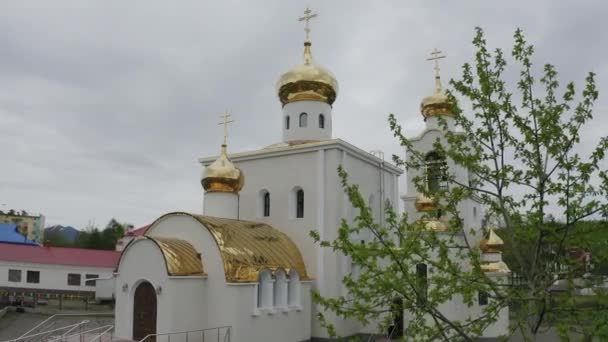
{"points": [[144, 312]]}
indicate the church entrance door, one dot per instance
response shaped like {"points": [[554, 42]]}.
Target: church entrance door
{"points": [[144, 312]]}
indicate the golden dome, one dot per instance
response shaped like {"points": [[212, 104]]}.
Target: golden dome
{"points": [[436, 104], [222, 175], [434, 225], [495, 267], [307, 81], [493, 244], [424, 203]]}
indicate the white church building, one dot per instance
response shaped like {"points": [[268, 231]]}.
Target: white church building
{"points": [[247, 261]]}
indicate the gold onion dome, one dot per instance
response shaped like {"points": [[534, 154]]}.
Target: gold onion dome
{"points": [[438, 103], [435, 225], [492, 244], [222, 175], [424, 203], [307, 81], [495, 267]]}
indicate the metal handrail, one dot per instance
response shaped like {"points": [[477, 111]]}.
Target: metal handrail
{"points": [[66, 338], [227, 327], [47, 332], [81, 323], [57, 315], [110, 327]]}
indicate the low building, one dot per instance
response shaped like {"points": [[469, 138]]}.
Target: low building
{"points": [[46, 270]]}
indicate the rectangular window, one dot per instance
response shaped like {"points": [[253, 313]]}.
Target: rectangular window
{"points": [[482, 298], [421, 275], [74, 279], [14, 276], [91, 282], [33, 277]]}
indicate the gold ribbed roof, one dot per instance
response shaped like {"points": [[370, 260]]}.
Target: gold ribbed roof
{"points": [[248, 247], [181, 259]]}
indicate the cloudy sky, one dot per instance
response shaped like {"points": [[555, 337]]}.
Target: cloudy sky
{"points": [[106, 105]]}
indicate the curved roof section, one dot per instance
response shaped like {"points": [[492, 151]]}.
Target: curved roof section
{"points": [[181, 259], [247, 247]]}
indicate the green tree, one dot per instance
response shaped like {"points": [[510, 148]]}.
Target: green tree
{"points": [[522, 145]]}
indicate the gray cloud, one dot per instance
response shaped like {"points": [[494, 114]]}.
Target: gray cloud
{"points": [[105, 106]]}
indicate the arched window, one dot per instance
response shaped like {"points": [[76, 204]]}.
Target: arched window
{"points": [[422, 282], [293, 290], [287, 122], [265, 289], [436, 172], [266, 209], [321, 121], [300, 203], [303, 120], [280, 289]]}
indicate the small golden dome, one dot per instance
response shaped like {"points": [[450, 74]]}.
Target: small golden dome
{"points": [[495, 267], [435, 225], [307, 81], [222, 175], [493, 244], [424, 203], [436, 104]]}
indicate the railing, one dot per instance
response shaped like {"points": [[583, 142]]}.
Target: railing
{"points": [[43, 330], [43, 336], [105, 331], [40, 325], [82, 336], [203, 335]]}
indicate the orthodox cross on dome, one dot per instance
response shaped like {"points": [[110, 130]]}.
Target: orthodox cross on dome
{"points": [[226, 120], [306, 18], [436, 56]]}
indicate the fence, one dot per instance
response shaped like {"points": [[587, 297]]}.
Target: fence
{"points": [[219, 334], [75, 301]]}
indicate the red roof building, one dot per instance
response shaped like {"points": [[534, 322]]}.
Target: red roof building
{"points": [[58, 255]]}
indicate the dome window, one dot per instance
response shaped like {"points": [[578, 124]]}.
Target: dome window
{"points": [[303, 120], [321, 121], [287, 122]]}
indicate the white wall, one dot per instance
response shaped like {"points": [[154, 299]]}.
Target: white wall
{"points": [[312, 131], [52, 277], [315, 171], [180, 303]]}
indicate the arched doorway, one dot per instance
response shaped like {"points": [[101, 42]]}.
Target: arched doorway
{"points": [[144, 311]]}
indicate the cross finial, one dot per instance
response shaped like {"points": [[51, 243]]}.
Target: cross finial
{"points": [[306, 18], [436, 56], [226, 120]]}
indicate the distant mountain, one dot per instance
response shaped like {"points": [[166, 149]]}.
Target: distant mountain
{"points": [[65, 233]]}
